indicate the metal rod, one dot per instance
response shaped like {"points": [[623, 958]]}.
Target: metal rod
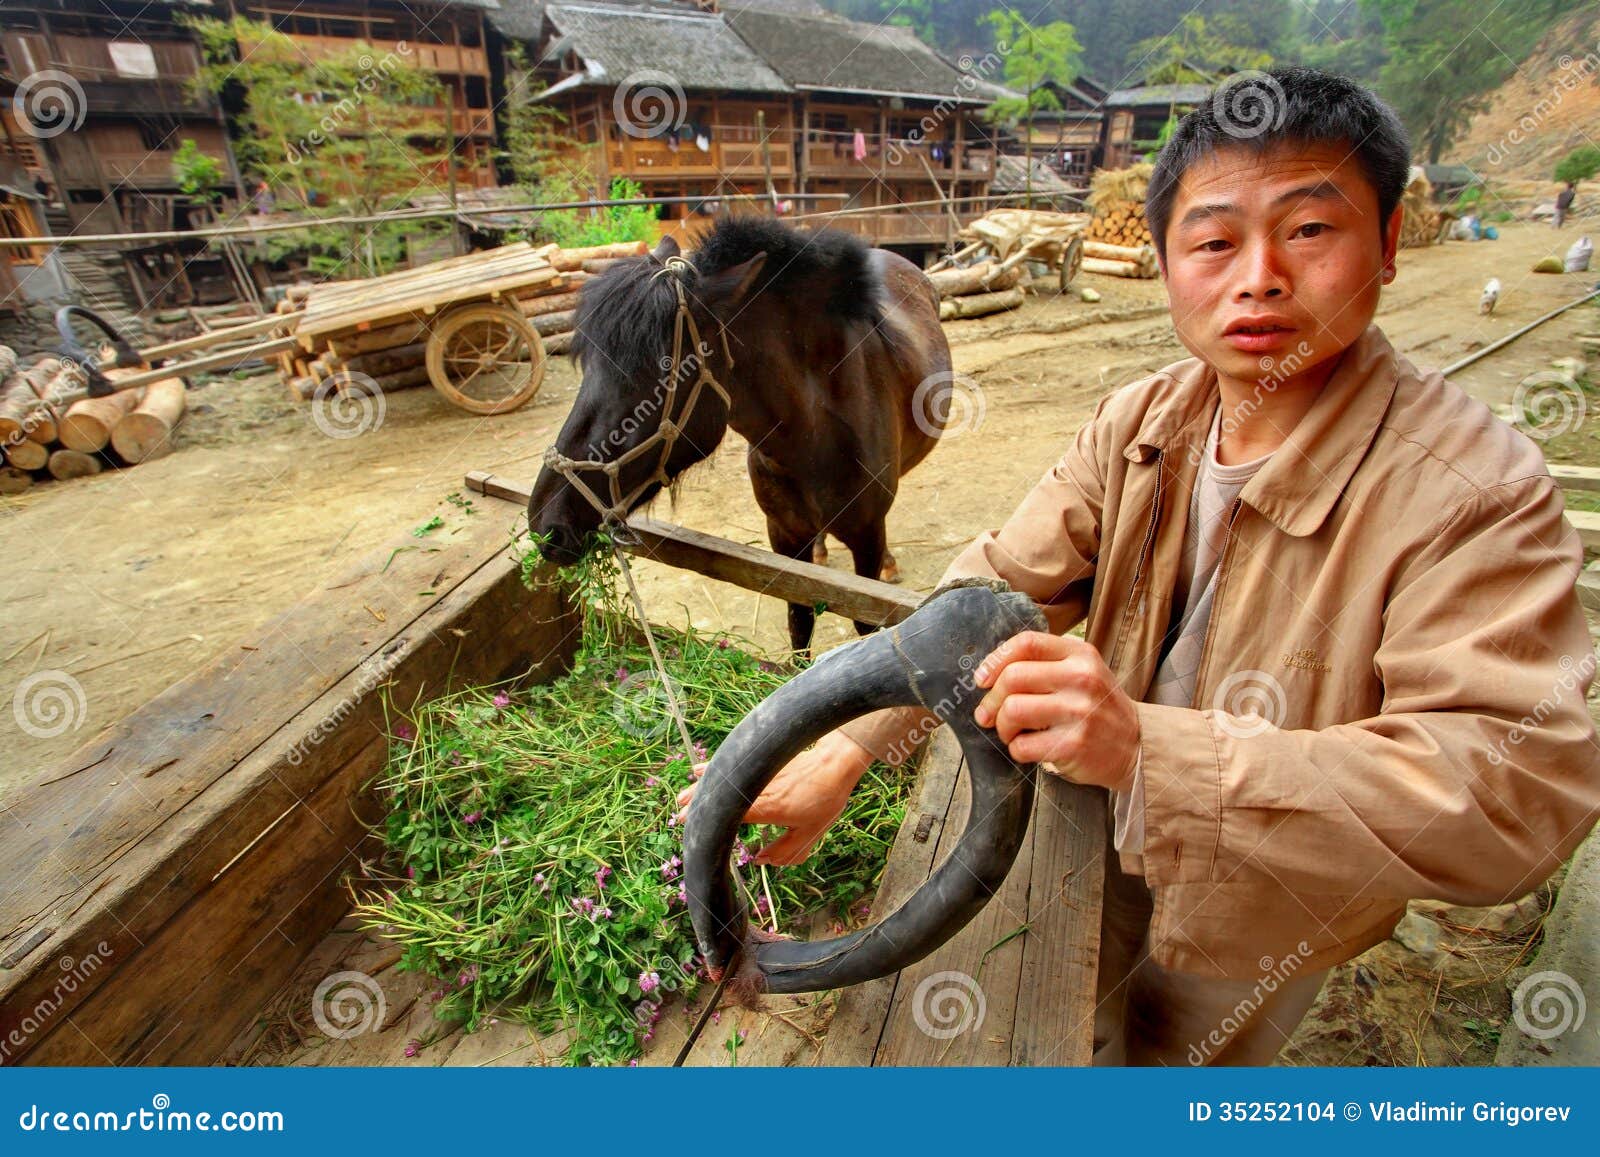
{"points": [[1515, 334], [382, 218]]}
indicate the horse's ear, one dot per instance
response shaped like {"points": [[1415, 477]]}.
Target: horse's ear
{"points": [[667, 248], [723, 291]]}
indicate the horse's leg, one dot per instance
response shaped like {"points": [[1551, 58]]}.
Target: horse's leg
{"points": [[819, 549], [869, 548], [802, 617], [891, 568]]}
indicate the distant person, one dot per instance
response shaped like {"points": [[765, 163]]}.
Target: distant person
{"points": [[1564, 202], [264, 198]]}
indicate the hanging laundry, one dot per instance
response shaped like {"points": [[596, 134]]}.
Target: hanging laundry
{"points": [[858, 145]]}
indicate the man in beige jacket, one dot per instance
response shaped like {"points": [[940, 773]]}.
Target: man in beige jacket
{"points": [[1333, 658]]}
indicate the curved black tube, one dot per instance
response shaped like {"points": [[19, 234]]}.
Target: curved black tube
{"points": [[928, 661], [73, 350]]}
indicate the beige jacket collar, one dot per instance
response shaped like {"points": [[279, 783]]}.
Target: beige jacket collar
{"points": [[1304, 478]]}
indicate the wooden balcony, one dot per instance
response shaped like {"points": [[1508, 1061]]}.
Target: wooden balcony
{"points": [[469, 122], [147, 170], [445, 58], [651, 158], [835, 158]]}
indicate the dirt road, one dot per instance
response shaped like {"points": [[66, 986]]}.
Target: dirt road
{"points": [[129, 580]]}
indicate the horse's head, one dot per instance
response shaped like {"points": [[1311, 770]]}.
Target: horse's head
{"points": [[649, 337]]}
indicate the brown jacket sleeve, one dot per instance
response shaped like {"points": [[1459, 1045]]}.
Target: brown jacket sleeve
{"points": [[1046, 549], [1476, 779]]}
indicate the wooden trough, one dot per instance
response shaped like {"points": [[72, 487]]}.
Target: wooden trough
{"points": [[173, 874]]}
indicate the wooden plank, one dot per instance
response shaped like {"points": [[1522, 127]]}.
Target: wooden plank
{"points": [[194, 777], [221, 336], [862, 599], [958, 1006], [188, 992], [224, 359], [1587, 524], [1575, 477], [380, 301], [858, 1021], [1061, 950]]}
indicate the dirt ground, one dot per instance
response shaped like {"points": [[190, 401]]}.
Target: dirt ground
{"points": [[132, 579]]}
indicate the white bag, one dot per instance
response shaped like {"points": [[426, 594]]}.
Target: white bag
{"points": [[1578, 256]]}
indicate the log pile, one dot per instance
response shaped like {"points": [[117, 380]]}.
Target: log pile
{"points": [[1420, 222], [51, 429], [992, 271], [1117, 197], [388, 350]]}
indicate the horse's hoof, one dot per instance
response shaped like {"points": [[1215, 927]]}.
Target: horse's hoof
{"points": [[819, 554], [891, 574]]}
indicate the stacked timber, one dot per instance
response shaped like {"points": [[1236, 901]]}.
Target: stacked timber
{"points": [[992, 271], [975, 290], [366, 335], [1117, 198], [50, 428]]}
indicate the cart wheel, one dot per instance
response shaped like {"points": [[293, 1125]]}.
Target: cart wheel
{"points": [[485, 358], [1071, 261]]}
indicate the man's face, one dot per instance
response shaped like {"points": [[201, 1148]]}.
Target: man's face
{"points": [[1274, 260]]}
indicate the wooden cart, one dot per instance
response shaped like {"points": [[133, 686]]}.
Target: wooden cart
{"points": [[482, 352], [171, 877]]}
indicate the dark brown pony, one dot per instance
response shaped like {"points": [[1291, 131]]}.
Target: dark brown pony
{"points": [[831, 360]]}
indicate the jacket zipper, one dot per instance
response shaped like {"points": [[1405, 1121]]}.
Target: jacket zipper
{"points": [[1138, 572], [1216, 606]]}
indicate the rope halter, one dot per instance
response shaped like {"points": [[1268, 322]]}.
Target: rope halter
{"points": [[615, 512]]}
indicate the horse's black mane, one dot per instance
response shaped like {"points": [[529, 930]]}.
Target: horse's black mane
{"points": [[625, 314]]}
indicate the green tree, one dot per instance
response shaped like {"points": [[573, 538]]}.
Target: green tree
{"points": [[197, 174], [1580, 164], [1198, 50], [1035, 59], [352, 132], [1446, 58]]}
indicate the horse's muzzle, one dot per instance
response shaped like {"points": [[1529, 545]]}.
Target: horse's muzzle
{"points": [[930, 661]]}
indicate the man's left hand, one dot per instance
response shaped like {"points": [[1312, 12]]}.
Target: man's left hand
{"points": [[1053, 700]]}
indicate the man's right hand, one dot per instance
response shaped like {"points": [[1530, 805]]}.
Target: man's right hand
{"points": [[806, 796]]}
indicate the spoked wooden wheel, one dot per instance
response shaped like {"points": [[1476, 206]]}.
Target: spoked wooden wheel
{"points": [[1071, 261], [486, 358]]}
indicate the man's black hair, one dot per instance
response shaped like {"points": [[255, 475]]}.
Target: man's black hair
{"points": [[1263, 110]]}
